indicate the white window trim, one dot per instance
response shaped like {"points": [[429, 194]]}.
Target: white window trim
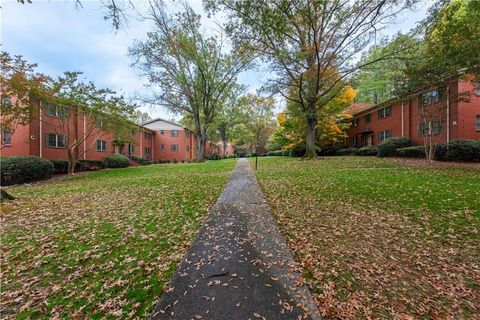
{"points": [[58, 138], [103, 145]]}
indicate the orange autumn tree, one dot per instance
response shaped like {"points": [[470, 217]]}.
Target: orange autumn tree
{"points": [[290, 132]]}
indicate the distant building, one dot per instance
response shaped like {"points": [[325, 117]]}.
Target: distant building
{"points": [[172, 141], [371, 124]]}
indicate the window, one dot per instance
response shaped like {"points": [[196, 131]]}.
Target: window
{"points": [[368, 118], [101, 145], [478, 123], [55, 140], [429, 97], [354, 141], [355, 122], [436, 127], [162, 131], [174, 147], [384, 135], [162, 146], [147, 135], [131, 149], [187, 148], [147, 151], [6, 137], [55, 110], [174, 133], [187, 134], [385, 112], [99, 123], [6, 101], [478, 89], [430, 128]]}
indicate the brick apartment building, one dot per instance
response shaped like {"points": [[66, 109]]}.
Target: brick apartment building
{"points": [[172, 141], [372, 124], [157, 139]]}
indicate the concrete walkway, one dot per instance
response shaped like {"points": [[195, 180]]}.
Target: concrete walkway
{"points": [[239, 267]]}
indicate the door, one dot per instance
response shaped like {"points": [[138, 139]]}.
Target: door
{"points": [[368, 140]]}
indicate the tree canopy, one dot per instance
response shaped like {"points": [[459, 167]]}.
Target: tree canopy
{"points": [[189, 72], [310, 45]]}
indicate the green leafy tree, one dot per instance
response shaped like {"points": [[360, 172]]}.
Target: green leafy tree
{"points": [[140, 117], [20, 88], [189, 72], [330, 128], [258, 121], [101, 111], [378, 82], [310, 44], [228, 115], [448, 51]]}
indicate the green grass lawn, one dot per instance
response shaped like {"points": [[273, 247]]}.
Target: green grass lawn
{"points": [[380, 239], [102, 245]]}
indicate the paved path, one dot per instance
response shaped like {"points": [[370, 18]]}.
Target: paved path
{"points": [[239, 267]]}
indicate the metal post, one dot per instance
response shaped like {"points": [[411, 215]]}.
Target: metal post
{"points": [[256, 157]]}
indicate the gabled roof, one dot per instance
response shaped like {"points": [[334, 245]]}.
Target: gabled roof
{"points": [[164, 120], [357, 108]]}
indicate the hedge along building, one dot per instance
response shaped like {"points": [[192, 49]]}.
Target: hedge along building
{"points": [[425, 111]]}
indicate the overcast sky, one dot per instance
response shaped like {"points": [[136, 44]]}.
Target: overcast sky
{"points": [[60, 37]]}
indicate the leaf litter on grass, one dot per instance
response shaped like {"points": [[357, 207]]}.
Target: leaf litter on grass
{"points": [[372, 248], [102, 245]]}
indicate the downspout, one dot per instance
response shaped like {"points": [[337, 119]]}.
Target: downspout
{"points": [[403, 122], [448, 113], [141, 143], [152, 144], [84, 137], [40, 138]]}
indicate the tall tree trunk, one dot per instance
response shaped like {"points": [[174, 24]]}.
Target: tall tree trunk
{"points": [[224, 141], [200, 147], [310, 149], [72, 160]]}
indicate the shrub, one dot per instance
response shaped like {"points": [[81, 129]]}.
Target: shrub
{"points": [[388, 148], [116, 161], [459, 150], [141, 161], [327, 152], [298, 150], [368, 151], [278, 153], [24, 168], [60, 166], [213, 156], [347, 152], [412, 152], [285, 153], [330, 150], [85, 165]]}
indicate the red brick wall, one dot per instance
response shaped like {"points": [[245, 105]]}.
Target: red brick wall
{"points": [[462, 118], [183, 140], [468, 111]]}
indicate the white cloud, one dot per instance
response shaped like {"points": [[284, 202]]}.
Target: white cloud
{"points": [[60, 37]]}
